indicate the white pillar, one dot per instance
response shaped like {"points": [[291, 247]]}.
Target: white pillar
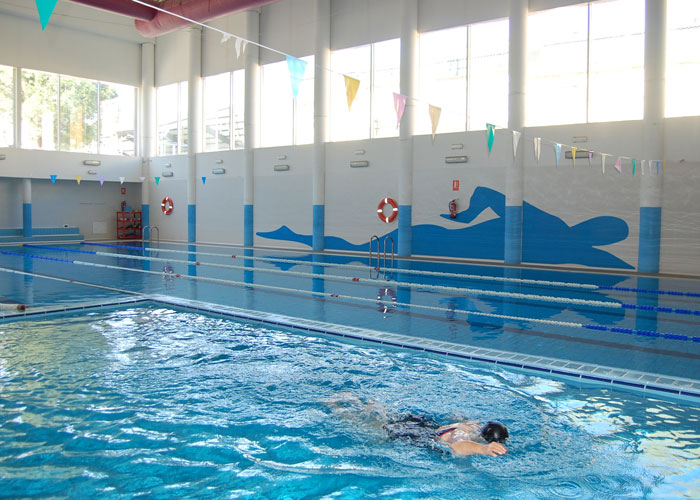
{"points": [[194, 120], [251, 127], [512, 250], [321, 111], [650, 201], [147, 127], [409, 73]]}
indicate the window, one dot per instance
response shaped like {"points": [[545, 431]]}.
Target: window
{"points": [[377, 67], [39, 110], [117, 119], [77, 115], [568, 82], [683, 58], [224, 108], [171, 104], [283, 119], [7, 108], [464, 71]]}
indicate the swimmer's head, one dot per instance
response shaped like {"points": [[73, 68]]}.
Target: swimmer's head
{"points": [[494, 432]]}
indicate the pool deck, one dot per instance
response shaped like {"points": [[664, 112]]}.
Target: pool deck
{"points": [[583, 373]]}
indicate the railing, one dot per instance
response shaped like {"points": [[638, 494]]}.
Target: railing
{"points": [[150, 238], [392, 251], [374, 237]]}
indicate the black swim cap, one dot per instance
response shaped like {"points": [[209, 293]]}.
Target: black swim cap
{"points": [[494, 432]]}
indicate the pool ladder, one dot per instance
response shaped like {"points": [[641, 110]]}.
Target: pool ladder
{"points": [[379, 262], [151, 228]]}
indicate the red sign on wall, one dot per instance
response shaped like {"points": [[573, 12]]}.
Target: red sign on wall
{"points": [[455, 185], [123, 190]]}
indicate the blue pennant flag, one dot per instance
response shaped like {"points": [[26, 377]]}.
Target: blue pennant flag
{"points": [[157, 180], [296, 73], [53, 179], [45, 8], [204, 180]]}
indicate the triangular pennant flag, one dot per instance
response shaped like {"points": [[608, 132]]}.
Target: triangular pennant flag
{"points": [[204, 180], [657, 166], [78, 178], [296, 73], [142, 179], [399, 107], [121, 180], [602, 161], [225, 38], [489, 135], [573, 154], [157, 180], [557, 152], [537, 145], [102, 180], [516, 140], [434, 113], [351, 87], [663, 166], [618, 164], [634, 166], [643, 164], [590, 158], [45, 8], [239, 41], [53, 179]]}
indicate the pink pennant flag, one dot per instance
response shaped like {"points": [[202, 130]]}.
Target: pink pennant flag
{"points": [[142, 179], [102, 180], [590, 158], [399, 107], [618, 164]]}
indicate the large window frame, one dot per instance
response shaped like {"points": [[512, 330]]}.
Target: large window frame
{"points": [[235, 115], [181, 125], [682, 62]]}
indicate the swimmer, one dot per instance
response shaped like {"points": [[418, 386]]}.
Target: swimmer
{"points": [[463, 438]]}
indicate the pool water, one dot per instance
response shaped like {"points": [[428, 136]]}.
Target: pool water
{"points": [[167, 404]]}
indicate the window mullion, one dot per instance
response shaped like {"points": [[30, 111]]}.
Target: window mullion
{"points": [[17, 97], [467, 73], [588, 64], [371, 90]]}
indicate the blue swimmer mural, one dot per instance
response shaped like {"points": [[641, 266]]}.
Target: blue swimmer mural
{"points": [[547, 239]]}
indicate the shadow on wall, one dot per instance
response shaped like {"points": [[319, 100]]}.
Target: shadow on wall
{"points": [[547, 239]]}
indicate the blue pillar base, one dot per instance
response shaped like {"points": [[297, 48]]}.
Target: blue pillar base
{"points": [[513, 244], [318, 241], [649, 239], [27, 220], [248, 225], [146, 219], [405, 235], [191, 223]]}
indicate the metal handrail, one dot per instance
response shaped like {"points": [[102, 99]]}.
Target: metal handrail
{"points": [[392, 251], [151, 228], [374, 237]]}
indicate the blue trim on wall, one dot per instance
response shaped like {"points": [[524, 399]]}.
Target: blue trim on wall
{"points": [[319, 227], [191, 223], [513, 246], [405, 235], [649, 239], [27, 220], [248, 225], [146, 219]]}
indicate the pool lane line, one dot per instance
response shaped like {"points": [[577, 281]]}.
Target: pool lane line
{"points": [[569, 324], [566, 284], [374, 282]]}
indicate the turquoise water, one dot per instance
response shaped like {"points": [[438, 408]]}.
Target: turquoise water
{"points": [[149, 401]]}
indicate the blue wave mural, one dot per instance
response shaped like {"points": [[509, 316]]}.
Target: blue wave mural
{"points": [[547, 239]]}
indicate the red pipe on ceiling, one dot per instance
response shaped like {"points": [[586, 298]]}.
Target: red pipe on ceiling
{"points": [[125, 8]]}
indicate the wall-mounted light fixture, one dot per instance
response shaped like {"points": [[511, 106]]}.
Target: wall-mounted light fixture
{"points": [[92, 163], [281, 168], [359, 152], [457, 146], [2, 157], [167, 173], [92, 172], [219, 161], [168, 165], [218, 170], [456, 159], [359, 164], [281, 157], [579, 138], [580, 153]]}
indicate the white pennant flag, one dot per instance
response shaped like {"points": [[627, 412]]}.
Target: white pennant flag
{"points": [[516, 140], [602, 161], [239, 47], [537, 145], [225, 38], [643, 162], [121, 180]]}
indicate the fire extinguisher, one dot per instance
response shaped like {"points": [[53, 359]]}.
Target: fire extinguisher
{"points": [[453, 209]]}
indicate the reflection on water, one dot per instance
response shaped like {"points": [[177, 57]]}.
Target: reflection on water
{"points": [[150, 401]]}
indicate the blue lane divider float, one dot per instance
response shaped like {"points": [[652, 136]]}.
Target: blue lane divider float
{"points": [[646, 333], [649, 290]]}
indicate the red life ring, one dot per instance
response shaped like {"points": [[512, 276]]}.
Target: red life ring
{"points": [[394, 210], [167, 205]]}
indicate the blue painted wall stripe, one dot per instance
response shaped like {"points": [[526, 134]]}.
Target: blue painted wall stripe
{"points": [[248, 225], [27, 220], [405, 236], [146, 219], [649, 239], [319, 227], [191, 223], [513, 244]]}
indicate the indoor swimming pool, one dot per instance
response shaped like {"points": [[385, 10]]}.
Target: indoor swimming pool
{"points": [[156, 401]]}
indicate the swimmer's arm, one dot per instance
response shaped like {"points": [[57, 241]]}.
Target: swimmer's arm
{"points": [[472, 448]]}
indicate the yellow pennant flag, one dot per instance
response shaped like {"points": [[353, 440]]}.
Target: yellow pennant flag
{"points": [[78, 178], [351, 87], [434, 112], [573, 154]]}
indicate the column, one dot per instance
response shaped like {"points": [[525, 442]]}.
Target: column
{"points": [[251, 129], [321, 111], [194, 120], [513, 238], [148, 128], [27, 209], [409, 72], [654, 103]]}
